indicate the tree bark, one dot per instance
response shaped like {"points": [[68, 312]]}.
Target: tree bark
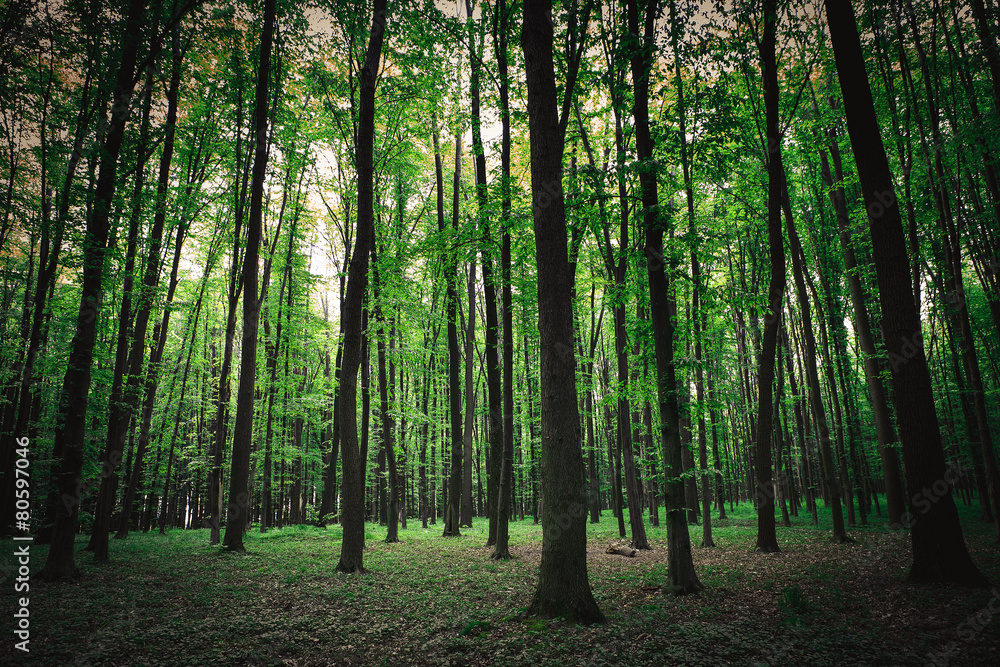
{"points": [[767, 540], [71, 424], [563, 585], [352, 486], [939, 551], [501, 398]]}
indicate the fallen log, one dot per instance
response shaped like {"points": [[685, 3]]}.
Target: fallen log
{"points": [[621, 551]]}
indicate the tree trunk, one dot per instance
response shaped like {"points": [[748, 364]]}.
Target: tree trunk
{"points": [[939, 551], [767, 541], [681, 576], [563, 585], [70, 433], [454, 491], [352, 487], [470, 400], [237, 515]]}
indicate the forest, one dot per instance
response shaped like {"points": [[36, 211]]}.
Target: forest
{"points": [[589, 332]]}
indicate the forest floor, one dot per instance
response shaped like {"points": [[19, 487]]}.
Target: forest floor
{"points": [[429, 600]]}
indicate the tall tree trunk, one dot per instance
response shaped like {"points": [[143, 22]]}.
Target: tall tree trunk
{"points": [[939, 551], [681, 576], [563, 585], [70, 433], [470, 400], [766, 539], [453, 506], [237, 515], [352, 487]]}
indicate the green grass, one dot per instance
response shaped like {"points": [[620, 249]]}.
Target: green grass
{"points": [[176, 600]]}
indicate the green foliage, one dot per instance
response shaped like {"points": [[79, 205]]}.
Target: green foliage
{"points": [[474, 627], [793, 605]]}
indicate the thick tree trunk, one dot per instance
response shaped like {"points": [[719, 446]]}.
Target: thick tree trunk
{"points": [[563, 585], [939, 551]]}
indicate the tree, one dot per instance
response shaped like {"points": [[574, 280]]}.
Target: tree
{"points": [[939, 552], [352, 486], [237, 516], [503, 465], [767, 541], [563, 586], [681, 576], [72, 423]]}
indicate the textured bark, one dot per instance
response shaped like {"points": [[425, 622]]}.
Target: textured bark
{"points": [[563, 585]]}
